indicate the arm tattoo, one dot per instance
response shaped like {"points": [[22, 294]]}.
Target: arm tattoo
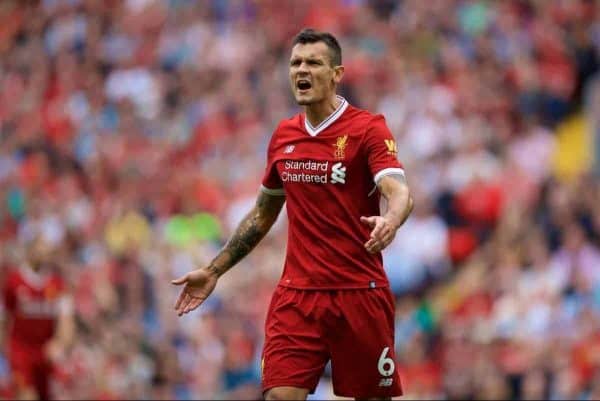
{"points": [[241, 243], [249, 233]]}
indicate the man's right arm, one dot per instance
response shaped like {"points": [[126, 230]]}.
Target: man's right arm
{"points": [[200, 283], [251, 230]]}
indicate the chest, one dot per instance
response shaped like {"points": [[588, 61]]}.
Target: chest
{"points": [[334, 147], [321, 160], [37, 301]]}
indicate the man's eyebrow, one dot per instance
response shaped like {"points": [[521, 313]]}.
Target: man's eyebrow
{"points": [[309, 58]]}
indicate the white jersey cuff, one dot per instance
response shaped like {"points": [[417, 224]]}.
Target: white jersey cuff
{"points": [[274, 192], [388, 171]]}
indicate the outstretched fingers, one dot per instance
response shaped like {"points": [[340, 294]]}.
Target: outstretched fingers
{"points": [[186, 300], [378, 230], [180, 300], [187, 303], [384, 237], [195, 302], [379, 236]]}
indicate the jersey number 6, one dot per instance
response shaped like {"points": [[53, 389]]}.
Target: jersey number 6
{"points": [[385, 365]]}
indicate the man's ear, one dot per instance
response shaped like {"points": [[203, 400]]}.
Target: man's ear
{"points": [[338, 73]]}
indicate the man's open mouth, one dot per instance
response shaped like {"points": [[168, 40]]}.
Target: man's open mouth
{"points": [[303, 84]]}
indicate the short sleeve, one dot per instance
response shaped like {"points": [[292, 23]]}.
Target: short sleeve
{"points": [[271, 182], [382, 150]]}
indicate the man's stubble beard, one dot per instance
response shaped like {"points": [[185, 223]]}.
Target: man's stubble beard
{"points": [[307, 102]]}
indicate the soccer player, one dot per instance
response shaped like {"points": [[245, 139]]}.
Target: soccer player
{"points": [[40, 321], [333, 302]]}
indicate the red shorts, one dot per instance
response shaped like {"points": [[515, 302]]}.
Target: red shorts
{"points": [[30, 368], [352, 328]]}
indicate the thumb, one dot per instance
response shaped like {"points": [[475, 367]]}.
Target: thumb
{"points": [[368, 220], [180, 280]]}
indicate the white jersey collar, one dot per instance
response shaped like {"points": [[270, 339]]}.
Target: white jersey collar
{"points": [[314, 131]]}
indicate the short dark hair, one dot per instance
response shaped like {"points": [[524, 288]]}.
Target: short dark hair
{"points": [[310, 35]]}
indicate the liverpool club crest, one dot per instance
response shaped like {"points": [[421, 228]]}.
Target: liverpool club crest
{"points": [[340, 147]]}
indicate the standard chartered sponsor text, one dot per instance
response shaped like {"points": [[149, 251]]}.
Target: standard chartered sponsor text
{"points": [[303, 177], [306, 165], [288, 175]]}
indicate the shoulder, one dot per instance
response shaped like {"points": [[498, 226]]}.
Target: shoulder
{"points": [[289, 123], [372, 127], [57, 281], [13, 274], [285, 130], [364, 118], [13, 278], [369, 127]]}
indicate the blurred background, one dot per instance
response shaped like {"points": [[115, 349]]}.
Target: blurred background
{"points": [[133, 137]]}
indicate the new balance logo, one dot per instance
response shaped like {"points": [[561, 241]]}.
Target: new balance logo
{"points": [[386, 382], [338, 173], [289, 149]]}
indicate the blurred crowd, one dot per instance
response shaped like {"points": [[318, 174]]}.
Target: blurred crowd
{"points": [[133, 137]]}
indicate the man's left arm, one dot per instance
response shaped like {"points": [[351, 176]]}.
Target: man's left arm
{"points": [[394, 189], [64, 333]]}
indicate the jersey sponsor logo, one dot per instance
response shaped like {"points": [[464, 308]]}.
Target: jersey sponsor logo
{"points": [[306, 171], [35, 308], [310, 165], [289, 149], [340, 147], [392, 147], [338, 173], [313, 172]]}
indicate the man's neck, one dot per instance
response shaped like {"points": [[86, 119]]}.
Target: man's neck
{"points": [[317, 112]]}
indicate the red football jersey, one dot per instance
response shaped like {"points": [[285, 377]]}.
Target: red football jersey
{"points": [[33, 302], [329, 174]]}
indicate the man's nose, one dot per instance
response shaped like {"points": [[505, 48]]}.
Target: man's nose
{"points": [[303, 67]]}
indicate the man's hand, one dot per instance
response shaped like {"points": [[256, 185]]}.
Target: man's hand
{"points": [[199, 284], [395, 190], [54, 350], [382, 234]]}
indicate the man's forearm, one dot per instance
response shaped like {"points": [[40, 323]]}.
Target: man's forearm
{"points": [[399, 202], [399, 206], [249, 233]]}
